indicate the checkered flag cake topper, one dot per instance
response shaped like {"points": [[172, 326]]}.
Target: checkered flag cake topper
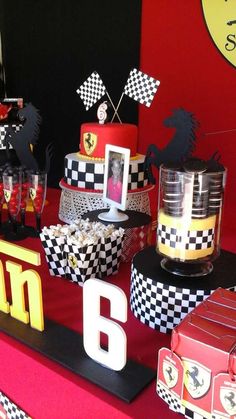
{"points": [[141, 87], [91, 90]]}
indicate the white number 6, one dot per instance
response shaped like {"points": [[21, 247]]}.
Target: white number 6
{"points": [[93, 323]]}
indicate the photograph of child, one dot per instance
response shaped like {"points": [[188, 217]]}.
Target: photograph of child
{"points": [[116, 174], [115, 177]]}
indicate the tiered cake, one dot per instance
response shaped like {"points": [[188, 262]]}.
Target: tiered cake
{"points": [[84, 170], [8, 117]]}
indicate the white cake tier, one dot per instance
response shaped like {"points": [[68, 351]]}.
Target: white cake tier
{"points": [[3, 130], [83, 172]]}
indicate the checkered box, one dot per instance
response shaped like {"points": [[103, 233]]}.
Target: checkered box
{"points": [[110, 255], [82, 262], [54, 248]]}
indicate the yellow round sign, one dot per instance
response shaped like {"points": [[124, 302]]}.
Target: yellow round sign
{"points": [[220, 16]]}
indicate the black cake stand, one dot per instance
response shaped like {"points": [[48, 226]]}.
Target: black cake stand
{"points": [[161, 300]]}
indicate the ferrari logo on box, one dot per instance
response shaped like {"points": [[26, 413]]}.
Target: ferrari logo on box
{"points": [[228, 400], [197, 378], [170, 373], [73, 261], [90, 142], [224, 396], [220, 16]]}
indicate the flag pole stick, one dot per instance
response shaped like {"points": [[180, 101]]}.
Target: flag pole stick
{"points": [[118, 106], [116, 113]]}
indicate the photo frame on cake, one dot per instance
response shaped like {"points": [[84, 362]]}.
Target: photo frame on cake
{"points": [[115, 182]]}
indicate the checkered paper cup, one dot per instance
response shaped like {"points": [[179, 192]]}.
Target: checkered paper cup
{"points": [[55, 253], [110, 254], [82, 262]]}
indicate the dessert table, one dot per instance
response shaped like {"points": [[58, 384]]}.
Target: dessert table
{"points": [[45, 389]]}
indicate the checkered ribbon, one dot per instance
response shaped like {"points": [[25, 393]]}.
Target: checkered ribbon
{"points": [[10, 409], [192, 240], [141, 87], [91, 90]]}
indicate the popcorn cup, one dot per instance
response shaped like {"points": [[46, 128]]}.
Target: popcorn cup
{"points": [[82, 262], [110, 254], [54, 253]]}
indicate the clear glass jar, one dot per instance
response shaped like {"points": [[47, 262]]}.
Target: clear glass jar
{"points": [[189, 216]]}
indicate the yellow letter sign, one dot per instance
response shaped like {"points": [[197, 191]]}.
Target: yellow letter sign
{"points": [[18, 279]]}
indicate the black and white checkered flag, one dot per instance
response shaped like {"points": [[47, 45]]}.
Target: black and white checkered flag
{"points": [[91, 90], [141, 87]]}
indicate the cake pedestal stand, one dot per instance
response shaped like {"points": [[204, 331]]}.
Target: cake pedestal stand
{"points": [[138, 230], [161, 300], [74, 202]]}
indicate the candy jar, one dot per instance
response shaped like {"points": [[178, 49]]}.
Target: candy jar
{"points": [[189, 216]]}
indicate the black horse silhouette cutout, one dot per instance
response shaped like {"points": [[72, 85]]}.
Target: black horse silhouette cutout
{"points": [[179, 148], [23, 140], [194, 376]]}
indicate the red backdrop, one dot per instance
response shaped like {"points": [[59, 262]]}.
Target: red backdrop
{"points": [[177, 49]]}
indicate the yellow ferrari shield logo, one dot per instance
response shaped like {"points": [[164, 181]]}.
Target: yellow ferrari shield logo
{"points": [[73, 261], [220, 16], [7, 195], [32, 193], [90, 142]]}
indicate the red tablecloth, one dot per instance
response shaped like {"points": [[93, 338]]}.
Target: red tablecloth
{"points": [[45, 389]]}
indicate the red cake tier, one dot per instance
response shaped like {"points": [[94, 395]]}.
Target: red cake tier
{"points": [[95, 136]]}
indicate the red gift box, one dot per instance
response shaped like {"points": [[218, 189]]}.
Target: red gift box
{"points": [[206, 343]]}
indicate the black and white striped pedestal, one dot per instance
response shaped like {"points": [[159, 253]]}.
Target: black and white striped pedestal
{"points": [[161, 300]]}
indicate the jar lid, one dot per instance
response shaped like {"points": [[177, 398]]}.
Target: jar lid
{"points": [[195, 166]]}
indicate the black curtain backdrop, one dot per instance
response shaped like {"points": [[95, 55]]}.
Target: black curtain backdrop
{"points": [[49, 50]]}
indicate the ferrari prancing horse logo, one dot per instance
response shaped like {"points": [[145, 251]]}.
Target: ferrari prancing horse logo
{"points": [[90, 142], [170, 373], [220, 16], [7, 195], [197, 378], [32, 193], [73, 261], [228, 400]]}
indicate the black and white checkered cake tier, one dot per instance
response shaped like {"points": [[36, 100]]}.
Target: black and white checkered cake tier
{"points": [[82, 172], [3, 130], [161, 300]]}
